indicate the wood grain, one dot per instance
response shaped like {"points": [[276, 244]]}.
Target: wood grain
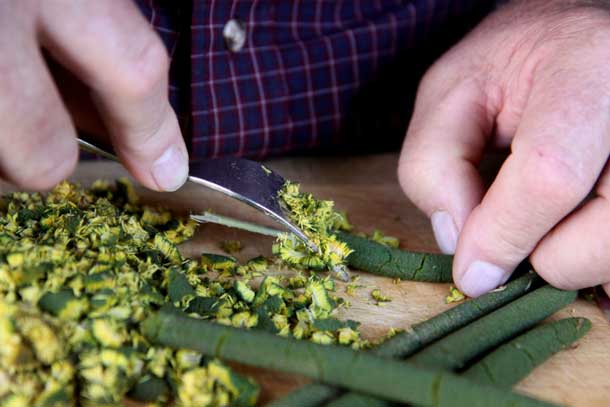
{"points": [[367, 188]]}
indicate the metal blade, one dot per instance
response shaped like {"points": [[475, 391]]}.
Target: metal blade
{"points": [[249, 182], [245, 180]]}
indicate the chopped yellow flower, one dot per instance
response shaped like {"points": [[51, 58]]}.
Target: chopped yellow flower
{"points": [[455, 295]]}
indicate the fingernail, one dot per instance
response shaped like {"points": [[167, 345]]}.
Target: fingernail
{"points": [[445, 231], [171, 169], [482, 277]]}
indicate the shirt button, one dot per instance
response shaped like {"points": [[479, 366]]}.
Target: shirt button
{"points": [[234, 33]]}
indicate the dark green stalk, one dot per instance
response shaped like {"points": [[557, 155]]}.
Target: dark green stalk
{"points": [[336, 365], [358, 400], [149, 390], [309, 395], [378, 259], [420, 335], [507, 365], [426, 332], [513, 361], [454, 351]]}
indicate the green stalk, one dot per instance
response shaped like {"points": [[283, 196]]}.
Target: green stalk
{"points": [[386, 261], [149, 390], [507, 365], [513, 361], [368, 255], [406, 343], [359, 400], [309, 395], [454, 351], [419, 335], [457, 349], [336, 365]]}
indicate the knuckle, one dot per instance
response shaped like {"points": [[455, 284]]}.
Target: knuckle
{"points": [[41, 153], [46, 172], [508, 241], [436, 77], [42, 123], [410, 173], [501, 239], [576, 22], [455, 67], [149, 138], [558, 175], [404, 173], [148, 72], [429, 77], [498, 234]]}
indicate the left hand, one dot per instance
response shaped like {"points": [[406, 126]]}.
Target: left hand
{"points": [[534, 75]]}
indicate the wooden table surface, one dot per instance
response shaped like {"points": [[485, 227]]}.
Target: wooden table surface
{"points": [[367, 188]]}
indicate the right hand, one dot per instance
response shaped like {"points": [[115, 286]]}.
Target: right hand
{"points": [[114, 52], [533, 75]]}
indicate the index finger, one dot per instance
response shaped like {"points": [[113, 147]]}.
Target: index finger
{"points": [[110, 47]]}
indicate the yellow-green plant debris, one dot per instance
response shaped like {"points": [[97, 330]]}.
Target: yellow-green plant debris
{"points": [[379, 297], [385, 240], [455, 295], [341, 222], [80, 269], [352, 286]]}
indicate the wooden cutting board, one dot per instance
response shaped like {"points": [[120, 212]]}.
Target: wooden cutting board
{"points": [[367, 188]]}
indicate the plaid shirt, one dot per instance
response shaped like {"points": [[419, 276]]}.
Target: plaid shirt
{"points": [[313, 75]]}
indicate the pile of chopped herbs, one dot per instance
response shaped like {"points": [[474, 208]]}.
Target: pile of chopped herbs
{"points": [[80, 269]]}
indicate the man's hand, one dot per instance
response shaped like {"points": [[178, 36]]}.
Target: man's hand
{"points": [[113, 51], [535, 75]]}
